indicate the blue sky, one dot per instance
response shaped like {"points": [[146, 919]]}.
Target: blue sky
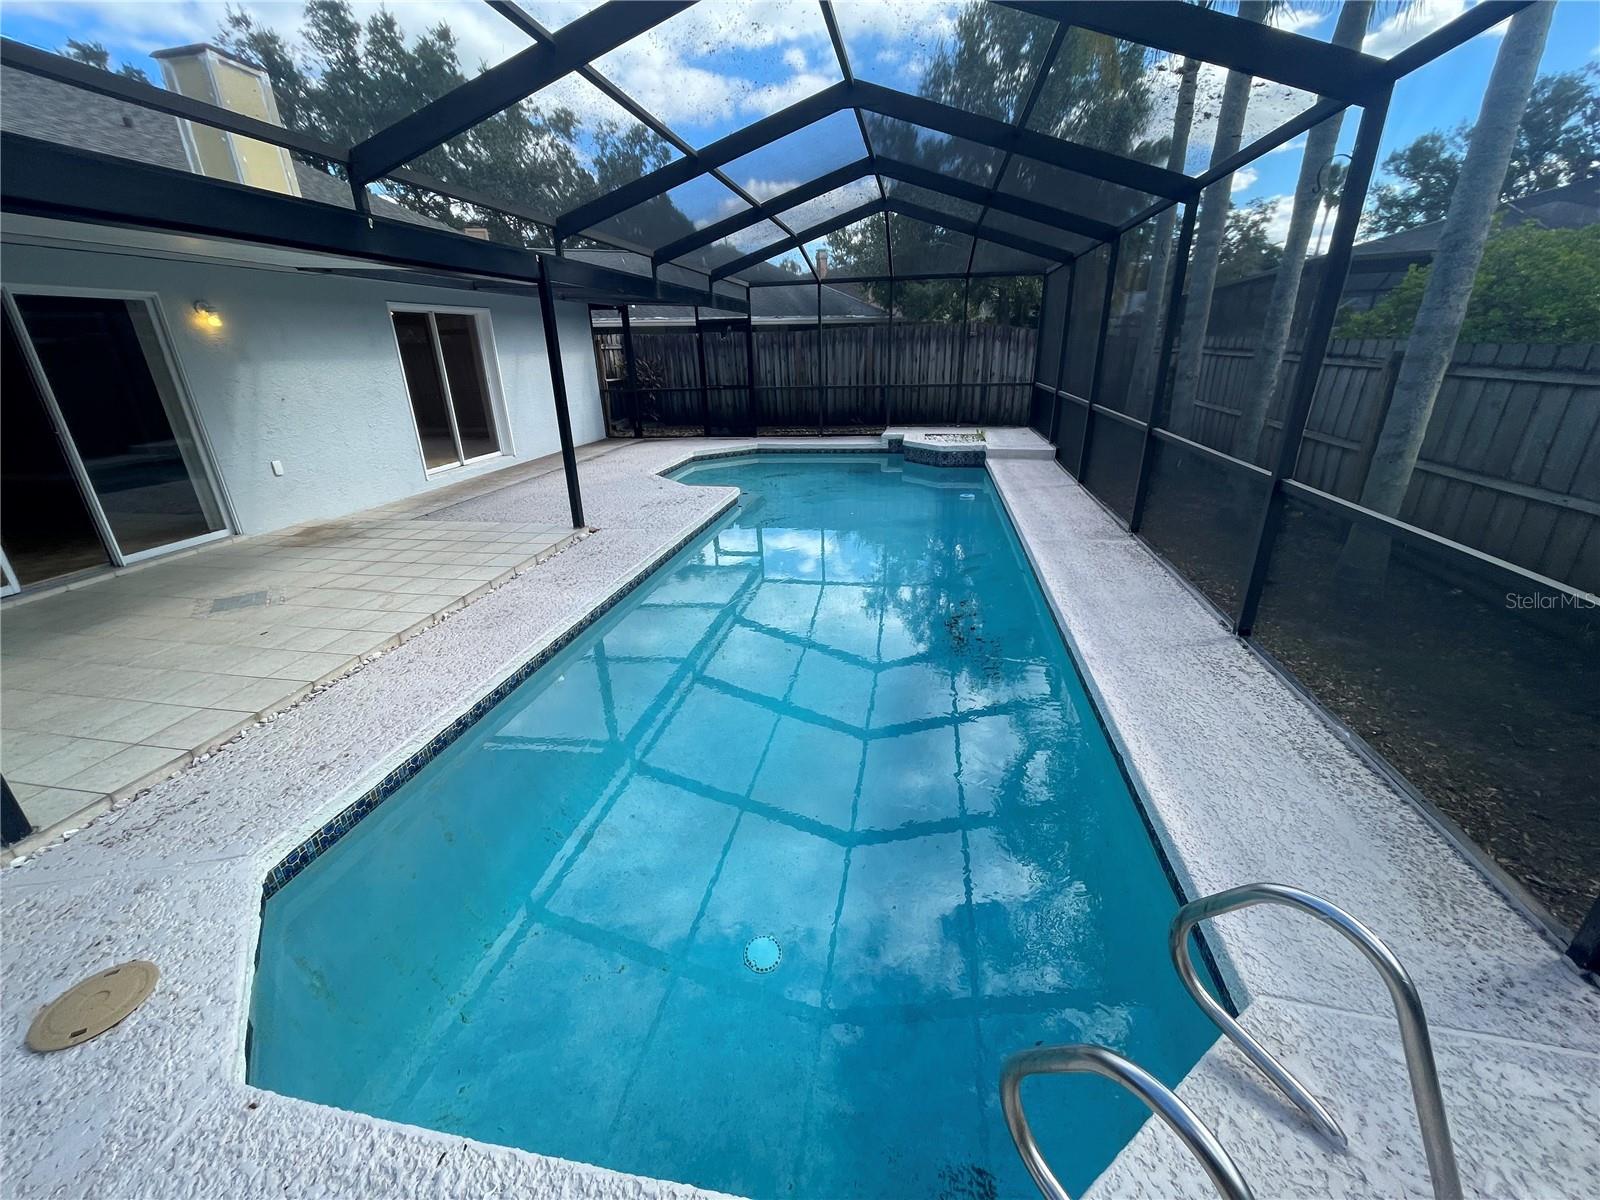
{"points": [[723, 63]]}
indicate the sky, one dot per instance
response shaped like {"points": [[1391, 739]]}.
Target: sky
{"points": [[723, 63]]}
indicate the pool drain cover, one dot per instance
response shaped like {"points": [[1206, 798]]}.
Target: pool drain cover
{"points": [[89, 1008], [763, 954]]}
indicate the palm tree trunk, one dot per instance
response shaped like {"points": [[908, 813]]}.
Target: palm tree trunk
{"points": [[1266, 367], [1208, 240], [1155, 291], [1449, 289]]}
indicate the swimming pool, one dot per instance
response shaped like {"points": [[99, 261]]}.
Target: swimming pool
{"points": [[756, 882]]}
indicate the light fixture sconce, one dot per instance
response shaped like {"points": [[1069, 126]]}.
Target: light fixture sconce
{"points": [[206, 315]]}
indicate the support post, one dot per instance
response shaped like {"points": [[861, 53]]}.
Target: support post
{"points": [[1159, 398], [705, 384], [14, 823], [888, 387], [822, 405], [961, 348], [751, 408], [1319, 331], [630, 372], [1099, 356], [558, 388], [1061, 354], [1585, 948]]}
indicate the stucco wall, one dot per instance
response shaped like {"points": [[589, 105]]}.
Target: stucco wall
{"points": [[304, 370]]}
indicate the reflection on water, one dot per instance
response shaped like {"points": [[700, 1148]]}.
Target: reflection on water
{"points": [[842, 720]]}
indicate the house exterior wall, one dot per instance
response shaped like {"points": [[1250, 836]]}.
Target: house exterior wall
{"points": [[305, 371]]}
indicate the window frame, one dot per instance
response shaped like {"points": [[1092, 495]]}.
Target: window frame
{"points": [[489, 361]]}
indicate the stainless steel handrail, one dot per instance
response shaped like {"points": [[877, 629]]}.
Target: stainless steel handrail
{"points": [[1407, 1008], [1097, 1060]]}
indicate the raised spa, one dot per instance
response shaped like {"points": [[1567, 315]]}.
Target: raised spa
{"points": [[755, 883]]}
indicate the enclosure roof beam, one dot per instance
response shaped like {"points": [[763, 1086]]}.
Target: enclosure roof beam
{"points": [[1020, 206], [891, 168], [588, 37], [842, 55], [524, 21], [719, 153], [133, 91], [62, 70], [909, 277], [1000, 237], [849, 217], [1228, 41], [917, 110], [45, 179], [1481, 16], [1059, 152], [718, 230]]}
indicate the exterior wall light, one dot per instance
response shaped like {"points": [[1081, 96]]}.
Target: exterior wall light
{"points": [[206, 315]]}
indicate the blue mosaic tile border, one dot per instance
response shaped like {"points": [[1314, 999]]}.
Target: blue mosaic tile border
{"points": [[938, 456], [347, 818]]}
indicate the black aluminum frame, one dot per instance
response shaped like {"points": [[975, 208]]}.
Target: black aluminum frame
{"points": [[42, 178]]}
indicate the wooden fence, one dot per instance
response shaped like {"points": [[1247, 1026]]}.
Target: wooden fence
{"points": [[1511, 461], [868, 374]]}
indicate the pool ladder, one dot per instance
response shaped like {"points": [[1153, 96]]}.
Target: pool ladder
{"points": [[1202, 1143]]}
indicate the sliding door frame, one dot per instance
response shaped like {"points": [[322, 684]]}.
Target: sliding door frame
{"points": [[209, 477], [488, 361]]}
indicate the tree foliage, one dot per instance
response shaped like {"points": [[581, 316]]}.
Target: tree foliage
{"points": [[1246, 248], [1534, 285], [1558, 141], [95, 54], [353, 78], [1100, 92]]}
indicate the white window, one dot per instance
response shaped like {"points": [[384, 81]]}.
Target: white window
{"points": [[442, 354]]}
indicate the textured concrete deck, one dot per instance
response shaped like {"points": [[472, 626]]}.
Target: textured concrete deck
{"points": [[1244, 781]]}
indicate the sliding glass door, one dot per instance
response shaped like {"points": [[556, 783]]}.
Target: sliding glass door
{"points": [[105, 445]]}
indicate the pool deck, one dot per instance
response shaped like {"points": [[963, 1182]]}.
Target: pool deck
{"points": [[1242, 779]]}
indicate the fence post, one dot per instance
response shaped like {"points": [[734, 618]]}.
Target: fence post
{"points": [[1369, 438], [751, 408], [1099, 356], [630, 372], [1319, 332], [1158, 398]]}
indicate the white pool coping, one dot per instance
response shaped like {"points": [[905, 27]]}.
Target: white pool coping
{"points": [[1241, 778]]}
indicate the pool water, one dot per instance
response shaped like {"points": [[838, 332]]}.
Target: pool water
{"points": [[756, 883]]}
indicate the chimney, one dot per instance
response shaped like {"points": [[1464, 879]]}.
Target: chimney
{"points": [[822, 263], [480, 232], [206, 73]]}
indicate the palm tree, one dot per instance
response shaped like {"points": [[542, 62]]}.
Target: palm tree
{"points": [[1208, 237], [1332, 189], [1155, 291], [1449, 289], [1261, 384]]}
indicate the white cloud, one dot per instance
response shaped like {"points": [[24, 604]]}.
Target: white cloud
{"points": [[1243, 178], [1297, 19], [1414, 22], [1271, 104]]}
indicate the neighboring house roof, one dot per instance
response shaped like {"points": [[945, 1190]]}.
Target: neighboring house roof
{"points": [[57, 112], [1574, 205]]}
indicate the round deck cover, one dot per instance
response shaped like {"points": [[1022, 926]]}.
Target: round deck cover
{"points": [[90, 1007]]}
